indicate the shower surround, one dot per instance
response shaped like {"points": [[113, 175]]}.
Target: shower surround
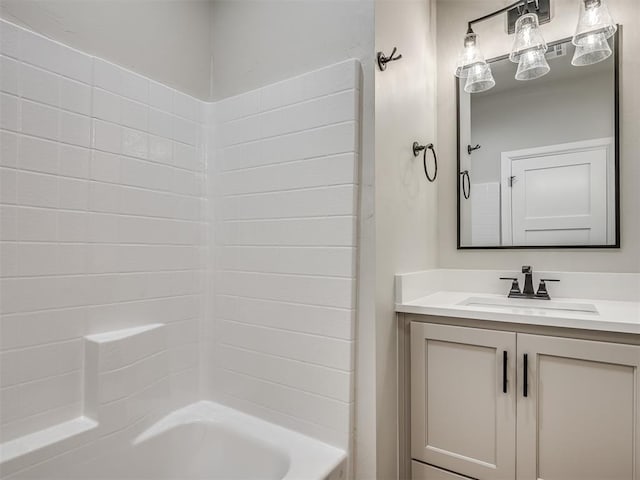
{"points": [[157, 250], [284, 176]]}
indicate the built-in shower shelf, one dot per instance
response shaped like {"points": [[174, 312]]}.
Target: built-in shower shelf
{"points": [[43, 444], [118, 366], [115, 335]]}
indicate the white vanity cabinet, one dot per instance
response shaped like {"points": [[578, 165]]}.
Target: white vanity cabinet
{"points": [[577, 418]]}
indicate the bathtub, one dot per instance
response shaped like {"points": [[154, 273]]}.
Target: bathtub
{"points": [[207, 440]]}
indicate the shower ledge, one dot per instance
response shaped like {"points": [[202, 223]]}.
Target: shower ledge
{"points": [[115, 349], [115, 335], [45, 443]]}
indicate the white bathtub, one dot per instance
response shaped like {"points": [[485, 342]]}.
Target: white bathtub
{"points": [[209, 441]]}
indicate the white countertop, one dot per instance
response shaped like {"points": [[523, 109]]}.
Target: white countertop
{"points": [[443, 292], [612, 316]]}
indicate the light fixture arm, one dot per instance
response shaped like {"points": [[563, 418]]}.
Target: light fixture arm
{"points": [[519, 4]]}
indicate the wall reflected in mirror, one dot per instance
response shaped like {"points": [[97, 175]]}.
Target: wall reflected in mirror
{"points": [[540, 156]]}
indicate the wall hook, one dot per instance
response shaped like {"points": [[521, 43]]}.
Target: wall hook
{"points": [[383, 59], [471, 149], [417, 148]]}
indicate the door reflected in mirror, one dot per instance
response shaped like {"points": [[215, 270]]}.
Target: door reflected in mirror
{"points": [[540, 156]]}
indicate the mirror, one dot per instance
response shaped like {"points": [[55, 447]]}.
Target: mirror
{"points": [[538, 160]]}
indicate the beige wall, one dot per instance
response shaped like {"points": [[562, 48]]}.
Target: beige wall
{"points": [[166, 40], [406, 213], [451, 26]]}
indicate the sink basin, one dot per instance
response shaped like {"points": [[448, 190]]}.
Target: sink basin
{"points": [[541, 306]]}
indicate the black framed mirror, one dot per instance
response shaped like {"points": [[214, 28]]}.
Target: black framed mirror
{"points": [[538, 160]]}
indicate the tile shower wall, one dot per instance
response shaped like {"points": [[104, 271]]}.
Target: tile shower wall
{"points": [[284, 177], [101, 199]]}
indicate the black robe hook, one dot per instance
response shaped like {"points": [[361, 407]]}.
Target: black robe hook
{"points": [[471, 149], [383, 59]]}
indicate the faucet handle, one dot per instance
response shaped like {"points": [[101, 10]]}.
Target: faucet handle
{"points": [[542, 289], [515, 286]]}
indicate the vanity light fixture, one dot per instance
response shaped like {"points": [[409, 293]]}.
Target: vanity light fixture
{"points": [[528, 50], [595, 27]]}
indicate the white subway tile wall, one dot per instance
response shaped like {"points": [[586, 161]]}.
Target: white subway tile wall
{"points": [[101, 210], [285, 188], [103, 226]]}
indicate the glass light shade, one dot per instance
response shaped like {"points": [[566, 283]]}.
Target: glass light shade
{"points": [[532, 65], [594, 50], [594, 18], [479, 79], [470, 56], [528, 37]]}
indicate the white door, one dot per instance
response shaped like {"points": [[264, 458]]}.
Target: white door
{"points": [[462, 406], [558, 194], [579, 419]]}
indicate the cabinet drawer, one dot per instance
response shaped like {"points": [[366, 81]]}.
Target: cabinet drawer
{"points": [[420, 471]]}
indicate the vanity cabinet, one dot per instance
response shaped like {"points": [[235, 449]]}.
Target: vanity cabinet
{"points": [[573, 415]]}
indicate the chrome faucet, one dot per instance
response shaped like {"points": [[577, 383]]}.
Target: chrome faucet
{"points": [[528, 291]]}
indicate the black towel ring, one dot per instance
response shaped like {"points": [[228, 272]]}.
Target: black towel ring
{"points": [[417, 148], [466, 191]]}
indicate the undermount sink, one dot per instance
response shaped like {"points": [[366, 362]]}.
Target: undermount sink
{"points": [[529, 304]]}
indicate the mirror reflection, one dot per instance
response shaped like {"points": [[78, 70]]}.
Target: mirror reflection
{"points": [[537, 159]]}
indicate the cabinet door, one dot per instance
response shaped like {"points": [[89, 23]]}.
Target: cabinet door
{"points": [[579, 420], [461, 419]]}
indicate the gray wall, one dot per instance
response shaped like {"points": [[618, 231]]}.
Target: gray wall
{"points": [[211, 49], [258, 42], [166, 40]]}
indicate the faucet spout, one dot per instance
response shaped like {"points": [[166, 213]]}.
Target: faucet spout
{"points": [[528, 280]]}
